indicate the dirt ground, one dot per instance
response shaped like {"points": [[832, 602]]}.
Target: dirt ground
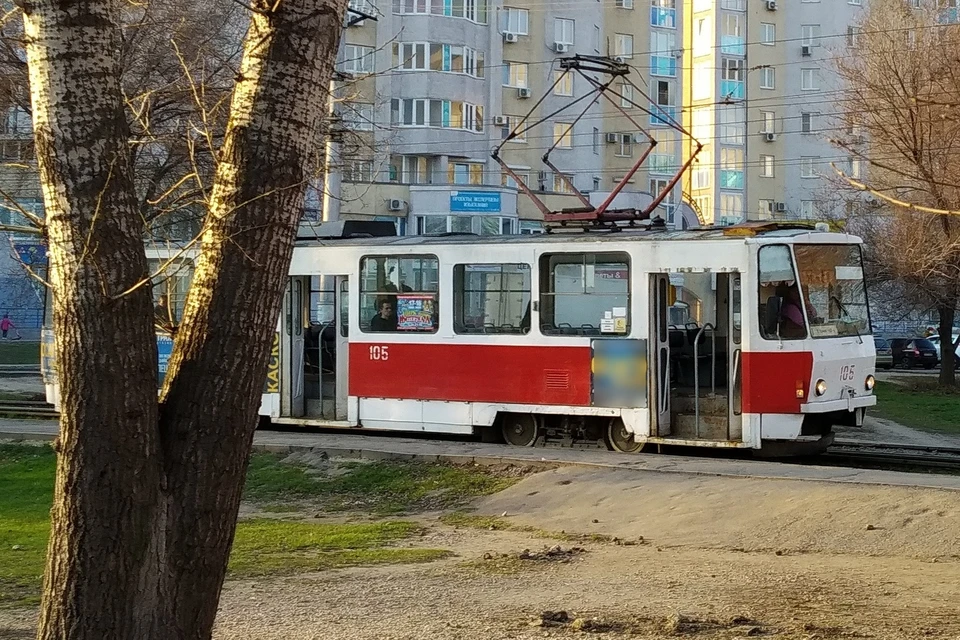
{"points": [[705, 557]]}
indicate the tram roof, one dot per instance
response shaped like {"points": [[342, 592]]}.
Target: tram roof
{"points": [[728, 234]]}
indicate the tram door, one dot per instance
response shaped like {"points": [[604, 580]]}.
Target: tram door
{"points": [[292, 400], [659, 355], [343, 349]]}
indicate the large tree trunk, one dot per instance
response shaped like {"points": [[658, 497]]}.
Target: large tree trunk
{"points": [[947, 358], [216, 373], [146, 500], [105, 497]]}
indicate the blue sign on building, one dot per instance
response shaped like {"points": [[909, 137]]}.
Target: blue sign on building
{"points": [[475, 201], [164, 349]]}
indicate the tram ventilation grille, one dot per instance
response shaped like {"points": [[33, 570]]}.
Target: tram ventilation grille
{"points": [[557, 380]]}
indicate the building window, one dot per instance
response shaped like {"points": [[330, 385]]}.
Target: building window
{"points": [[807, 209], [625, 145], [358, 170], [810, 35], [853, 37], [665, 152], [768, 33], [731, 208], [513, 20], [623, 45], [768, 119], [358, 116], [662, 59], [855, 170], [563, 30], [445, 114], [357, 59], [563, 135], [731, 78], [624, 4], [426, 56], [491, 298], [732, 42], [515, 74], [808, 122], [809, 80], [701, 178], [563, 183], [563, 83], [475, 10], [596, 141], [596, 39], [768, 78], [765, 209], [734, 5], [506, 180], [733, 124], [808, 166], [731, 168], [585, 293], [665, 110], [399, 294], [766, 166], [626, 95], [465, 173], [663, 13]]}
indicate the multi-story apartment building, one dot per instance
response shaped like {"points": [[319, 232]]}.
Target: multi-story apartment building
{"points": [[761, 96], [432, 86]]}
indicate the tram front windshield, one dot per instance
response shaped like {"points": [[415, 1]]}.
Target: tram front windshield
{"points": [[834, 293]]}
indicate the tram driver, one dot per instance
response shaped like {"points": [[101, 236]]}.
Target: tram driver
{"points": [[792, 324]]}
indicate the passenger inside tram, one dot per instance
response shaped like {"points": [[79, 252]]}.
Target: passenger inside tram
{"points": [[386, 318]]}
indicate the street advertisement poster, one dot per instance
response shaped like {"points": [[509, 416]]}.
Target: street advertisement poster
{"points": [[619, 371], [164, 349], [415, 313]]}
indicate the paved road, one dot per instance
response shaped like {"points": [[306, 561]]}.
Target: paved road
{"points": [[378, 447]]}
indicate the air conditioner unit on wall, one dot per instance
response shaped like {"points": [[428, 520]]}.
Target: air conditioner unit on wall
{"points": [[561, 47], [395, 204], [523, 92], [501, 121], [806, 50], [771, 5], [509, 36], [769, 137], [780, 206], [611, 138]]}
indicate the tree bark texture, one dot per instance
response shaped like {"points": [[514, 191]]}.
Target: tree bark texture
{"points": [[107, 480], [147, 493], [215, 378]]}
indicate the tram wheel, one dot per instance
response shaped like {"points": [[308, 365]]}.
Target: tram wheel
{"points": [[520, 429], [619, 439]]}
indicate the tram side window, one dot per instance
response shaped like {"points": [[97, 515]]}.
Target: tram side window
{"points": [[491, 298], [399, 294], [780, 309], [170, 289], [585, 294]]}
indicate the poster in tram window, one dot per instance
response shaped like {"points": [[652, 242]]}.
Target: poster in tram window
{"points": [[415, 313]]}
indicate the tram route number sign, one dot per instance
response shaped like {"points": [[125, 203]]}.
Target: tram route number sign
{"points": [[619, 373]]}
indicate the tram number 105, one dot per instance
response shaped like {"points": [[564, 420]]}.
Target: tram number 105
{"points": [[379, 352], [848, 372]]}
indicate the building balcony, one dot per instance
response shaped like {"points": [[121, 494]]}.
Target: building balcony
{"points": [[733, 46], [731, 179], [663, 66], [661, 17], [732, 89], [663, 114]]}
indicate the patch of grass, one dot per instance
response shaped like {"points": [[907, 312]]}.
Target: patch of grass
{"points": [[19, 352], [26, 478], [266, 546], [921, 405], [280, 507], [383, 487], [261, 546]]}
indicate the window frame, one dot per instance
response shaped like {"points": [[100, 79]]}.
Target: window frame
{"points": [[459, 297], [547, 298], [361, 292], [796, 282]]}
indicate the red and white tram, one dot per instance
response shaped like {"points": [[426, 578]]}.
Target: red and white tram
{"points": [[741, 337], [751, 337]]}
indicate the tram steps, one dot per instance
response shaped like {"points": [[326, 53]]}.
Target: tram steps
{"points": [[684, 425], [709, 404]]}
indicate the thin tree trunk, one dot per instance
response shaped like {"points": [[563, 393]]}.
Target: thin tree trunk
{"points": [[947, 358], [105, 497], [215, 378]]}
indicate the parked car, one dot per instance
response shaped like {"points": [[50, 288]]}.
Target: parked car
{"points": [[914, 352], [884, 353], [935, 339]]}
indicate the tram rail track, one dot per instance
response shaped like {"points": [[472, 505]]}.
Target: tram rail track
{"points": [[843, 453]]}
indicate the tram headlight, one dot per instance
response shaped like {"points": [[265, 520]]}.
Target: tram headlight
{"points": [[821, 387], [869, 383]]}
